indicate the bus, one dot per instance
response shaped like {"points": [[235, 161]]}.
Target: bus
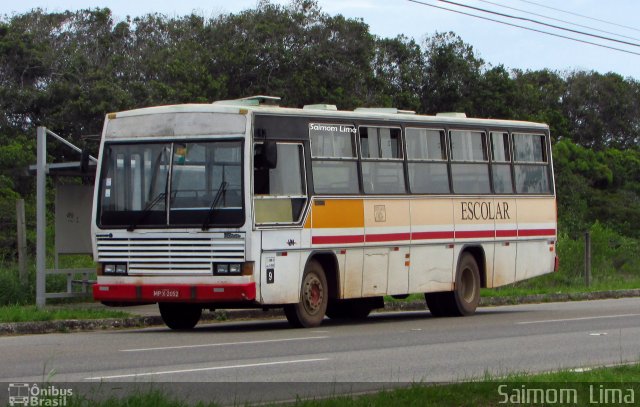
{"points": [[246, 204]]}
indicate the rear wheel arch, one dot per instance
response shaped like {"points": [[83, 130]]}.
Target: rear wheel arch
{"points": [[479, 255]]}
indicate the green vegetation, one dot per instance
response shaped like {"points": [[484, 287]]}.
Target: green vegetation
{"points": [[615, 266], [587, 385], [27, 313]]}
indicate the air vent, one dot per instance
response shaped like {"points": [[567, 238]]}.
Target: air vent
{"points": [[386, 110], [332, 108], [452, 114], [258, 100]]}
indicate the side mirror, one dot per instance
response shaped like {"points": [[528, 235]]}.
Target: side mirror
{"points": [[266, 155]]}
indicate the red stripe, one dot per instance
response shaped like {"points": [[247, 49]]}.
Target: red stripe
{"points": [[145, 293], [536, 232], [337, 239], [432, 235], [462, 234], [474, 234], [387, 237], [506, 233]]}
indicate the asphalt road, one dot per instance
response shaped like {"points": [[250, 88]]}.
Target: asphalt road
{"points": [[264, 360]]}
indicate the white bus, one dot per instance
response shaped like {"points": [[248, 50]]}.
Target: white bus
{"points": [[244, 204]]}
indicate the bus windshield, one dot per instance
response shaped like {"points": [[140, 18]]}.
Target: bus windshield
{"points": [[171, 184]]}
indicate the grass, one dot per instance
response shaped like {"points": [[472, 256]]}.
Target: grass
{"points": [[587, 386], [27, 313]]}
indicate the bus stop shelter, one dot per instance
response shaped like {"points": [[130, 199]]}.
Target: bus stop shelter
{"points": [[72, 214]]}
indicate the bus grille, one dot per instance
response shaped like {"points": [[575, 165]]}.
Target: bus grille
{"points": [[175, 255]]}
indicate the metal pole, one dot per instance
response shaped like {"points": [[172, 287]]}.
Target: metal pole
{"points": [[41, 207], [22, 241], [587, 258]]}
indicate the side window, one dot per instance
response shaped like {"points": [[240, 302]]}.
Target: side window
{"points": [[427, 161], [280, 192], [470, 162], [501, 163], [531, 163], [334, 161], [382, 160]]}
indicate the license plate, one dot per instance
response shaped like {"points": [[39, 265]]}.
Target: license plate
{"points": [[166, 293]]}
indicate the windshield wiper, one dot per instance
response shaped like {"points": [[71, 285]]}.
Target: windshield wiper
{"points": [[146, 211], [223, 187]]}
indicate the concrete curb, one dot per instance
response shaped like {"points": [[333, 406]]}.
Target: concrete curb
{"points": [[43, 327]]}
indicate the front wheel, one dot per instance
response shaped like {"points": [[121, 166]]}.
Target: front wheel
{"points": [[314, 297], [179, 316]]}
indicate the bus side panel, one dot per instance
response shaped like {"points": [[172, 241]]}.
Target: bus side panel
{"points": [[399, 263], [281, 267], [431, 268], [352, 282], [504, 264], [387, 226], [536, 237], [338, 224], [375, 271], [431, 261]]}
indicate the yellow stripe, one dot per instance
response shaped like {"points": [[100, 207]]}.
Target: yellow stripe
{"points": [[337, 213]]}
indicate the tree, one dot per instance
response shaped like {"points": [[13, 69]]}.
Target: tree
{"points": [[452, 74], [398, 69], [602, 110]]}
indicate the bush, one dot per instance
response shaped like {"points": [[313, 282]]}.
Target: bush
{"points": [[613, 256]]}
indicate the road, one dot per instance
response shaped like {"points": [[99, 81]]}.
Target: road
{"points": [[385, 350]]}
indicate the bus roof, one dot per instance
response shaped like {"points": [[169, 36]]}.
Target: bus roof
{"points": [[241, 106]]}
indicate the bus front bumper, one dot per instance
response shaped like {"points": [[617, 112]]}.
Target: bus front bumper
{"points": [[200, 293]]}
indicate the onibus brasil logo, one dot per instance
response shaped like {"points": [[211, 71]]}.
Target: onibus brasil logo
{"points": [[25, 394]]}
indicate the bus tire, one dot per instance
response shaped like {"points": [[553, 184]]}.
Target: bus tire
{"points": [[437, 303], [179, 316], [466, 296], [464, 299], [314, 298]]}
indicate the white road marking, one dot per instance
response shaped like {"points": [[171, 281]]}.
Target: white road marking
{"points": [[207, 345], [204, 369], [544, 321]]}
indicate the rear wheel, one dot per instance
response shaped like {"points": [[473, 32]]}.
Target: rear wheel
{"points": [[180, 316], [464, 299], [466, 295], [309, 312]]}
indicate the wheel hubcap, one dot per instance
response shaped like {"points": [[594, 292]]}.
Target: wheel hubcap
{"points": [[313, 294], [468, 285]]}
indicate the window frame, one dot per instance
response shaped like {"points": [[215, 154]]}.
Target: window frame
{"points": [[445, 161], [546, 155], [305, 186], [486, 159], [401, 159], [167, 225], [499, 163], [355, 159]]}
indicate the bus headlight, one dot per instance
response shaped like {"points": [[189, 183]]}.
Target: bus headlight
{"points": [[114, 269], [224, 269]]}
